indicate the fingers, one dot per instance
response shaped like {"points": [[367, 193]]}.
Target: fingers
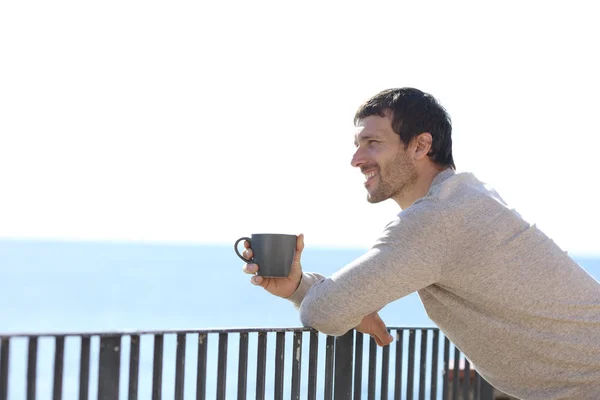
{"points": [[382, 339], [380, 332], [248, 254], [250, 268], [377, 340], [257, 280]]}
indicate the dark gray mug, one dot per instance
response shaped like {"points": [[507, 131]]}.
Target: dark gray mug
{"points": [[272, 252]]}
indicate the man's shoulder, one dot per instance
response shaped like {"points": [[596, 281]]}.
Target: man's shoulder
{"points": [[458, 197], [450, 185], [453, 200]]}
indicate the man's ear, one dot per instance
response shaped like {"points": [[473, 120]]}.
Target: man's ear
{"points": [[422, 145]]}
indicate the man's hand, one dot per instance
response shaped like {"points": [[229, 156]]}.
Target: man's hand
{"points": [[374, 326], [282, 287]]}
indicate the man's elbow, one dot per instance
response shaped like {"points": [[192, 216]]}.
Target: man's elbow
{"points": [[324, 321]]}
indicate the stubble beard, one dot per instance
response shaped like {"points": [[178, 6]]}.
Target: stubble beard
{"points": [[393, 180]]}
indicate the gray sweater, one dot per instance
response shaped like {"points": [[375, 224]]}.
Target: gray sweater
{"points": [[521, 310]]}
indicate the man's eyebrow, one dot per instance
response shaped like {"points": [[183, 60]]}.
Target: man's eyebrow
{"points": [[364, 137]]}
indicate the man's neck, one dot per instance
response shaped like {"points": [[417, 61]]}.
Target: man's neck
{"points": [[420, 187]]}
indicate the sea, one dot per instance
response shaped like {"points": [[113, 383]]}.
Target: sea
{"points": [[78, 286]]}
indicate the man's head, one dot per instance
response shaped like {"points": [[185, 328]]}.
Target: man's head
{"points": [[403, 140]]}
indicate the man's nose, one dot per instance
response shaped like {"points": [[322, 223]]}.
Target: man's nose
{"points": [[357, 158]]}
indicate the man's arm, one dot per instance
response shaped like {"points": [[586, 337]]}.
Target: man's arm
{"points": [[407, 257], [371, 324]]}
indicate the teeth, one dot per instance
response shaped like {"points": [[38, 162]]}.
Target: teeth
{"points": [[370, 175]]}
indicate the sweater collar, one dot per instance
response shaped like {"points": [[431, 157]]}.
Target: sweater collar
{"points": [[442, 176]]}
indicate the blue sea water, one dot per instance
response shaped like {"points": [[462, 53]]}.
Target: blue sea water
{"points": [[88, 286]]}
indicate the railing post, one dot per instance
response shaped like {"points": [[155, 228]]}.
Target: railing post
{"points": [[109, 367], [342, 386]]}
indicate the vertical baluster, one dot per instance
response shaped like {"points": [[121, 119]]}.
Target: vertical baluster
{"points": [[446, 374], [487, 390], [157, 367], [372, 368], [243, 366], [423, 365], [434, 363], [59, 352], [222, 366], [180, 366], [296, 365], [399, 363], [261, 365], [358, 356], [109, 367], [84, 368], [201, 370], [279, 364], [329, 351], [410, 379], [134, 367], [385, 371], [456, 372], [4, 357], [467, 380], [313, 357], [343, 366], [31, 367]]}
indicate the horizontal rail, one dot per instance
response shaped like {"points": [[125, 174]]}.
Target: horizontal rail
{"points": [[182, 331]]}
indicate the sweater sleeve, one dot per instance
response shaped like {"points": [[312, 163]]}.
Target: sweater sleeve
{"points": [[407, 257]]}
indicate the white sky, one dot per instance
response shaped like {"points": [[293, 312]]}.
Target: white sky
{"points": [[206, 121]]}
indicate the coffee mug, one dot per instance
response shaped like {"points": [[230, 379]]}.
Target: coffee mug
{"points": [[272, 252]]}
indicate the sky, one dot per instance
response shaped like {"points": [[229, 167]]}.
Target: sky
{"points": [[205, 121]]}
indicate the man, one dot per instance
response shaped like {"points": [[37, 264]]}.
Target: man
{"points": [[508, 297]]}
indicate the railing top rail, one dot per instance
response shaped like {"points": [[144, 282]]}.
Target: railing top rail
{"points": [[182, 331]]}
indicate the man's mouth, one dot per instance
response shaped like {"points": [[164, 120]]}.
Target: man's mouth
{"points": [[369, 176]]}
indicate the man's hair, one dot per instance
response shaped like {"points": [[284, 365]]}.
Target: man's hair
{"points": [[414, 112]]}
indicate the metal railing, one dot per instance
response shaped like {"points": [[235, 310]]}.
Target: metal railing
{"points": [[420, 364]]}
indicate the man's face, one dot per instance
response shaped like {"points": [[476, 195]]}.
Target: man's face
{"points": [[388, 168]]}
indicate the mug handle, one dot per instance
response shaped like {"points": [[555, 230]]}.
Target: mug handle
{"points": [[235, 247]]}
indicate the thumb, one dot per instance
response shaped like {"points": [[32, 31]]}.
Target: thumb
{"points": [[299, 248], [296, 270]]}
